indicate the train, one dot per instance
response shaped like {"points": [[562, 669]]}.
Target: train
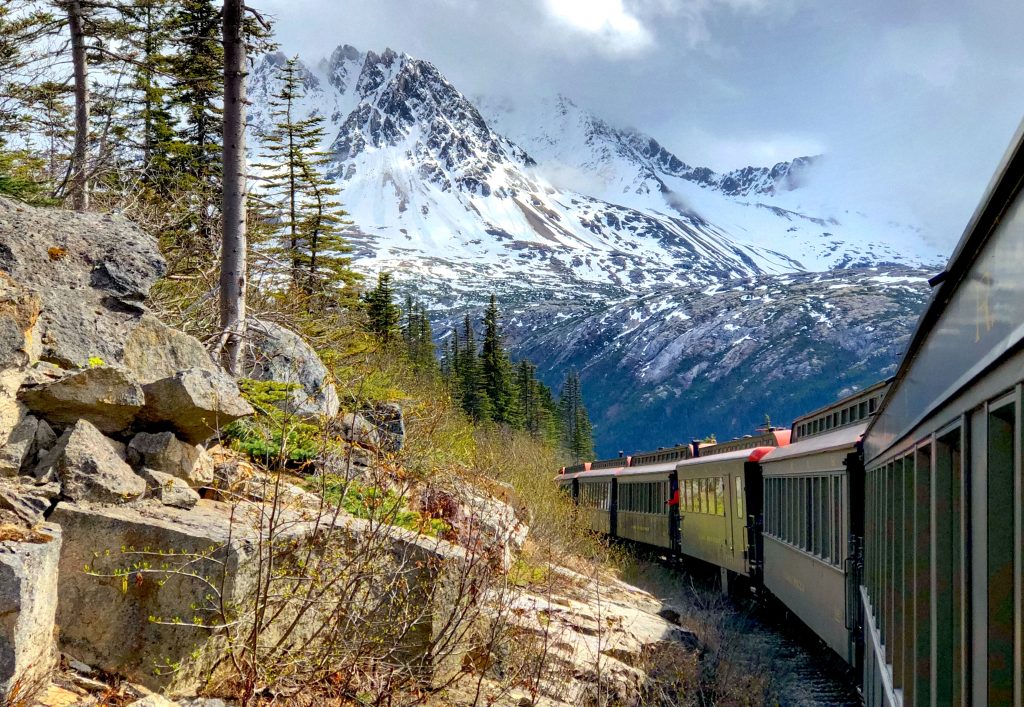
{"points": [[890, 522]]}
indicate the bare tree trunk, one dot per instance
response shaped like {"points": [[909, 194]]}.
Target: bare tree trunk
{"points": [[233, 239], [80, 155]]}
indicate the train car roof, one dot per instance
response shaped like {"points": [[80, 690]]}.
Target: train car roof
{"points": [[892, 421], [748, 455], [836, 439]]}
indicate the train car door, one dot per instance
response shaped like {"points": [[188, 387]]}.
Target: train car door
{"points": [[753, 494], [673, 511]]}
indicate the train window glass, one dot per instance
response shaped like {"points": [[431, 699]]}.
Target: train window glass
{"points": [[907, 587], [947, 651], [844, 416], [872, 403], [801, 513], [698, 492], [863, 410], [814, 524], [688, 494], [709, 496], [739, 497], [837, 520], [1000, 475], [922, 570], [720, 496]]}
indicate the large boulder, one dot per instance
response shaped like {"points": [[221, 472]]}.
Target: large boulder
{"points": [[29, 561], [195, 404], [154, 350], [274, 353], [163, 452], [92, 273], [107, 397], [105, 620], [91, 467]]}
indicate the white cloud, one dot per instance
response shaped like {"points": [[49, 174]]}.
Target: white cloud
{"points": [[606, 21]]}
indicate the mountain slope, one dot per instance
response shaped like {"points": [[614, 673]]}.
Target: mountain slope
{"points": [[684, 362], [782, 207]]}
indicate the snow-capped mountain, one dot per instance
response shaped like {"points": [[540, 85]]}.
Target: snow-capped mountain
{"points": [[679, 363], [442, 196], [692, 301], [782, 207]]}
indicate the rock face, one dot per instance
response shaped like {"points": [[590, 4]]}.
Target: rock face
{"points": [[92, 273], [154, 350], [107, 397], [195, 403], [28, 603], [106, 624], [278, 354], [90, 467], [165, 453]]}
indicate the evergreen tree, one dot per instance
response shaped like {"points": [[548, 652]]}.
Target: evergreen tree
{"points": [[496, 370], [383, 315], [419, 338], [196, 62], [475, 401], [304, 213], [577, 435]]}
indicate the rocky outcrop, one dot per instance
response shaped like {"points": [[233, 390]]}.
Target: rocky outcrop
{"points": [[274, 353], [154, 350], [378, 429], [163, 452], [29, 561], [92, 274], [108, 397], [91, 468], [195, 403], [105, 620]]}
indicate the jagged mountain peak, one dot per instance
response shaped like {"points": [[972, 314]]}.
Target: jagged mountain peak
{"points": [[459, 194]]}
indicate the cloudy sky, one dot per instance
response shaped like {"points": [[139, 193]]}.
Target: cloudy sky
{"points": [[913, 101]]}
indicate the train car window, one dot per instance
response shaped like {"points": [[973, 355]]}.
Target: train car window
{"points": [[1001, 462], [947, 522], [739, 497], [922, 571], [709, 495], [844, 416], [896, 582], [907, 581], [837, 520], [720, 496]]}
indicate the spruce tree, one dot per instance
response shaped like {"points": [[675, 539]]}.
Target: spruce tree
{"points": [[475, 401], [496, 370], [304, 213], [577, 435], [383, 315]]}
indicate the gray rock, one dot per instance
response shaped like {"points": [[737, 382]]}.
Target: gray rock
{"points": [[170, 490], [154, 350], [390, 423], [274, 353], [195, 403], [120, 638], [90, 467], [92, 272], [20, 446], [356, 428], [28, 604], [29, 502], [163, 452], [45, 436], [107, 397]]}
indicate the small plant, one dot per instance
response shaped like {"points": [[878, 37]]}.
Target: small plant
{"points": [[381, 504], [96, 362], [272, 433]]}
